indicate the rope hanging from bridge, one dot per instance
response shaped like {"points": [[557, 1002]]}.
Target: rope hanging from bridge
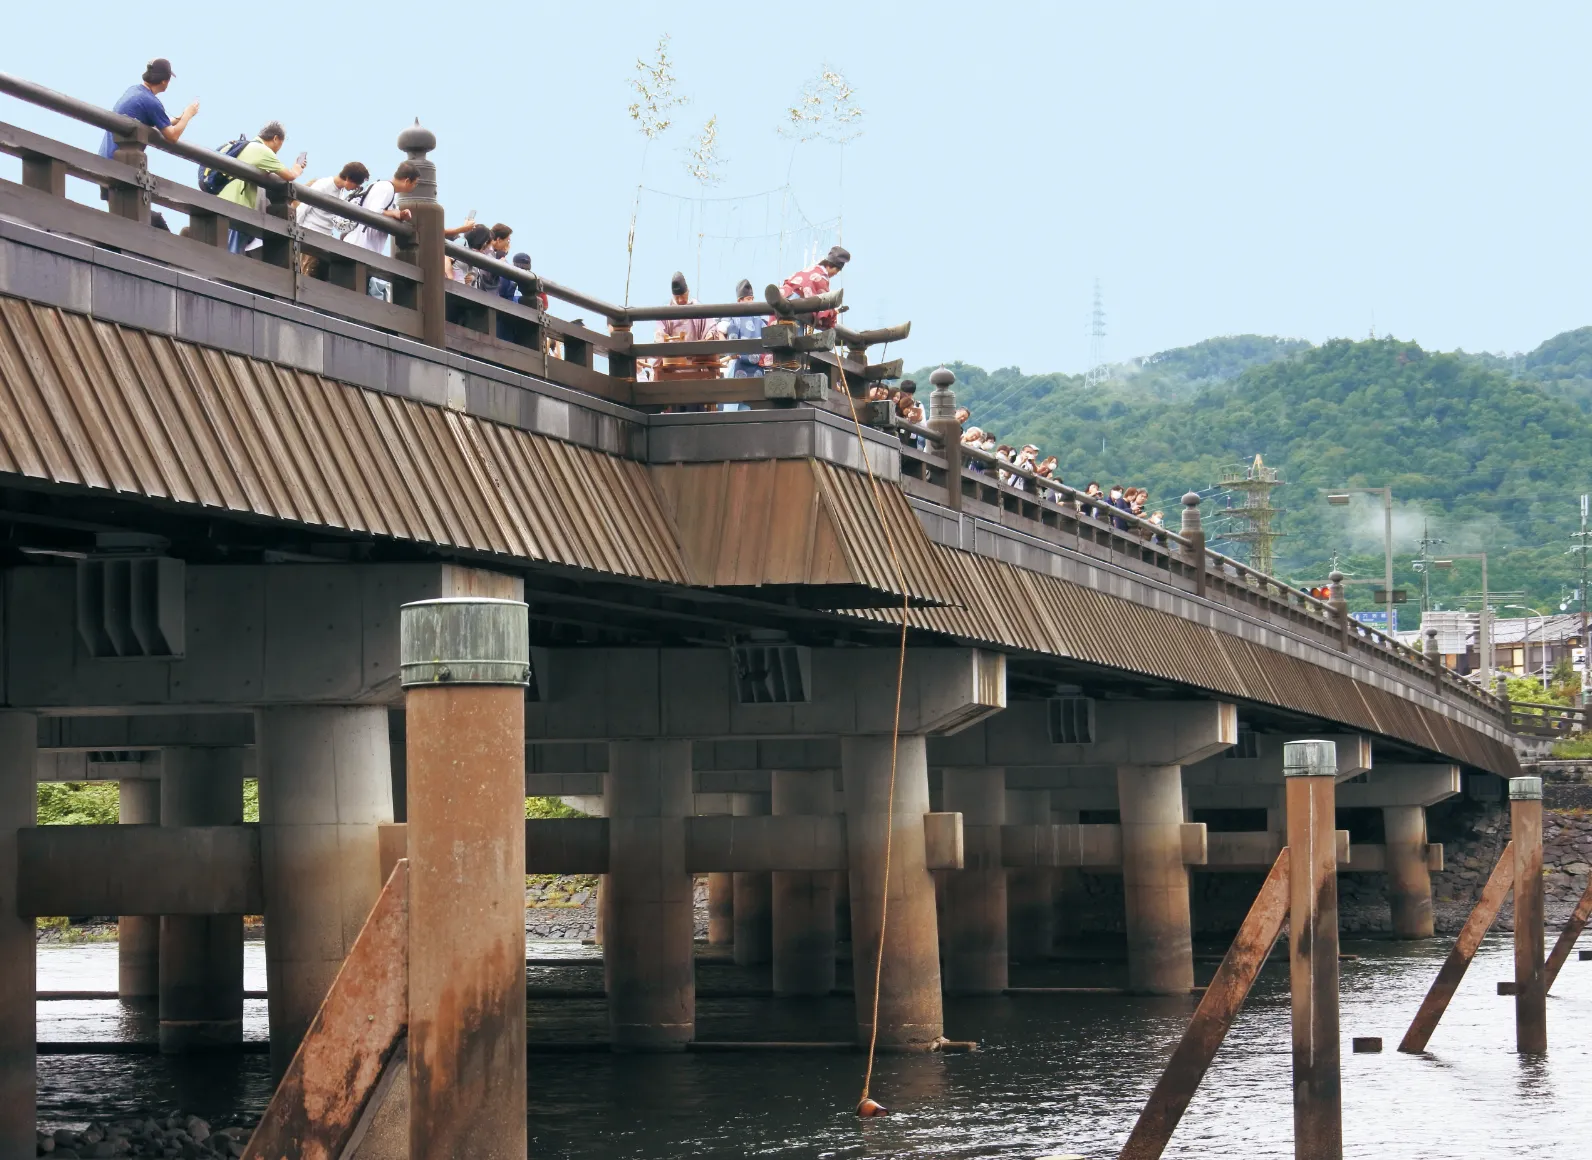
{"points": [[866, 1106]]}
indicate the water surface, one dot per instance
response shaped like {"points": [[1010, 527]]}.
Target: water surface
{"points": [[1054, 1074]]}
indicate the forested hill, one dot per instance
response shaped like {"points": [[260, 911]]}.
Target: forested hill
{"points": [[1490, 454]]}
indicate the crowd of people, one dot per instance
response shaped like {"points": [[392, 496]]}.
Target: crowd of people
{"points": [[352, 184], [1014, 465], [806, 283], [1022, 468]]}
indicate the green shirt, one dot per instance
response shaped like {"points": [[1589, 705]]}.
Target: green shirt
{"points": [[260, 155]]}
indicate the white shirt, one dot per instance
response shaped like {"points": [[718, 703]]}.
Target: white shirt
{"points": [[379, 197], [321, 221]]}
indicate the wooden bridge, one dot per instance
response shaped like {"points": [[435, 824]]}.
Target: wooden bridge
{"points": [[220, 480]]}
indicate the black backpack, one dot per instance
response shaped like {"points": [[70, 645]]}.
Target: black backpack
{"points": [[213, 181]]}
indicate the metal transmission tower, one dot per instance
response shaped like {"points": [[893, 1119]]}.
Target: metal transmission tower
{"points": [[1097, 341], [1253, 517]]}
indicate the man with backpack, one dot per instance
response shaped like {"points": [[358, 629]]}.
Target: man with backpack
{"points": [[382, 197], [261, 153], [142, 103]]}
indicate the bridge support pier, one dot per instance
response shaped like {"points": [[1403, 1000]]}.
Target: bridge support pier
{"points": [[721, 909], [804, 901], [1409, 881], [1068, 896], [910, 1012], [754, 899], [138, 936], [325, 786], [974, 934], [1030, 902], [201, 956], [647, 921], [1155, 880], [19, 738]]}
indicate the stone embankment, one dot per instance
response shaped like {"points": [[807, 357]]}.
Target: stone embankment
{"points": [[565, 906], [174, 1135]]}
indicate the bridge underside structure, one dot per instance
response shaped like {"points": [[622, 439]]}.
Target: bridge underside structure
{"points": [[213, 503]]}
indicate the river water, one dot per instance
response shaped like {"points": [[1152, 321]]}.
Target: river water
{"points": [[1053, 1074]]}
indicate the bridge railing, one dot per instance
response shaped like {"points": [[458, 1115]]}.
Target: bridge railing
{"points": [[1544, 720], [1068, 514], [485, 325]]}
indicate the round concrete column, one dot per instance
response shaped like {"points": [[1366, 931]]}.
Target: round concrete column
{"points": [[1069, 898], [138, 936], [1409, 882], [201, 956], [19, 738], [973, 937], [804, 901], [1155, 879], [754, 895], [1030, 894], [906, 951], [721, 909], [325, 786], [647, 935]]}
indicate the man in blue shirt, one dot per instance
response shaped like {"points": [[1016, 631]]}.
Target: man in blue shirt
{"points": [[745, 366], [142, 104]]}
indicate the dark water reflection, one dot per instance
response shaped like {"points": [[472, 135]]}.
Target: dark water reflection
{"points": [[1054, 1075]]}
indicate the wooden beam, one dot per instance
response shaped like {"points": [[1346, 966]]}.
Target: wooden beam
{"points": [[138, 870], [1213, 1018], [1572, 931], [1458, 961], [339, 1065]]}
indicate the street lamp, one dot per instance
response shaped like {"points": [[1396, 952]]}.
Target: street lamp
{"points": [[1342, 498], [1525, 656]]}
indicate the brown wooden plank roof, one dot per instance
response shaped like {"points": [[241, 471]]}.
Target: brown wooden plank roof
{"points": [[99, 405]]}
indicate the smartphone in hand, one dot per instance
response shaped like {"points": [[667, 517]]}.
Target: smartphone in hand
{"points": [[303, 160], [469, 218]]}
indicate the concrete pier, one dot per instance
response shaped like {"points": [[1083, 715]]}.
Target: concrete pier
{"points": [[754, 898], [647, 921], [325, 786], [910, 1013], [201, 956], [804, 901], [138, 936], [1030, 894], [973, 938], [1409, 881], [1155, 880], [1067, 892], [721, 909], [19, 734]]}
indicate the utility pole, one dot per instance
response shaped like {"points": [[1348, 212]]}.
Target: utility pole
{"points": [[1424, 567], [1484, 644], [1582, 541], [1342, 498]]}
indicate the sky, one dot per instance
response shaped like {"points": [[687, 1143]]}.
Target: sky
{"points": [[1306, 170]]}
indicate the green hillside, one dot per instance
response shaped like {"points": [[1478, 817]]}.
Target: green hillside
{"points": [[1491, 460]]}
